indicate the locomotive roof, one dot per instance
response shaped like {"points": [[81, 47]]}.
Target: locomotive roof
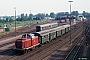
{"points": [[47, 24]]}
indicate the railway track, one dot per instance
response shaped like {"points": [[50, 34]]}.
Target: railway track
{"points": [[44, 51], [7, 43], [73, 54], [7, 54], [76, 50], [38, 50]]}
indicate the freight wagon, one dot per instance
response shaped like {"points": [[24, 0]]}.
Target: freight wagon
{"points": [[30, 41], [46, 26]]}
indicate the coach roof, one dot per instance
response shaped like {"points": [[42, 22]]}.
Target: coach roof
{"points": [[49, 24]]}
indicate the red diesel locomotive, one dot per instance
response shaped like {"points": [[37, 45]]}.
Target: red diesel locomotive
{"points": [[26, 42]]}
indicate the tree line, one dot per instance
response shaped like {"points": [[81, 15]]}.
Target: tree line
{"points": [[41, 16]]}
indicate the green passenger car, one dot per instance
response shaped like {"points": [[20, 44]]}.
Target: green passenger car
{"points": [[66, 29], [43, 36], [58, 32], [63, 31], [52, 35]]}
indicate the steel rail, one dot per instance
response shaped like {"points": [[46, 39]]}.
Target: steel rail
{"points": [[73, 49]]}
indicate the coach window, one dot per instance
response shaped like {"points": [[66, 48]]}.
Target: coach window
{"points": [[49, 26]]}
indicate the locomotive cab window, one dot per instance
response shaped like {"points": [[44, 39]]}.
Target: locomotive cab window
{"points": [[28, 36], [23, 36]]}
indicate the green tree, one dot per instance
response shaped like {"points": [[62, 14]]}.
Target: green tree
{"points": [[52, 15]]}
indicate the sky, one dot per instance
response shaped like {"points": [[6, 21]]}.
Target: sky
{"points": [[41, 6]]}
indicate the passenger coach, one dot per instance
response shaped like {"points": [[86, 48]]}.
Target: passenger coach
{"points": [[46, 26]]}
